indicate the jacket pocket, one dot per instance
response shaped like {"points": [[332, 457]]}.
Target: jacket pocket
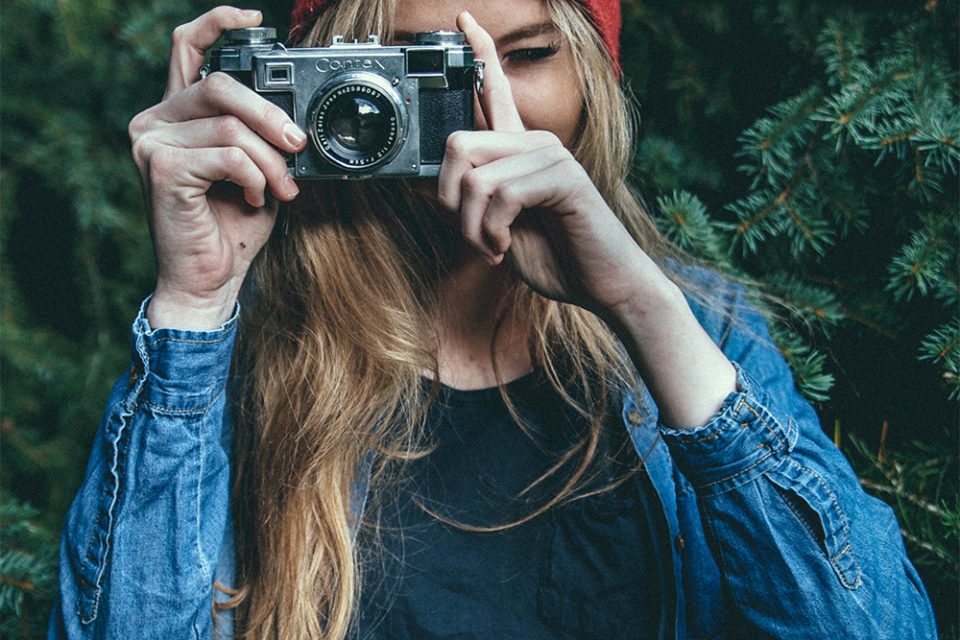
{"points": [[816, 507]]}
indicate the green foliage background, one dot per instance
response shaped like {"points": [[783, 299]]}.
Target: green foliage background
{"points": [[810, 146]]}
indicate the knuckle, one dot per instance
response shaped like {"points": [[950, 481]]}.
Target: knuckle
{"points": [[560, 155], [216, 85], [492, 231], [229, 127], [137, 126], [572, 170], [180, 35], [272, 113], [547, 139], [277, 169], [258, 182], [141, 148], [223, 14], [507, 193], [221, 11], [475, 184], [456, 142], [233, 158]]}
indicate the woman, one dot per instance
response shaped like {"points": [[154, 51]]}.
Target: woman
{"points": [[381, 315]]}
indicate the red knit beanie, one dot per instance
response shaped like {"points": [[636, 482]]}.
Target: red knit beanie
{"points": [[605, 13]]}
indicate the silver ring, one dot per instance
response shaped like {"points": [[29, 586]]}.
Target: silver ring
{"points": [[478, 67]]}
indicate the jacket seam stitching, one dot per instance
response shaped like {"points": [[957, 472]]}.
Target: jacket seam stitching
{"points": [[100, 562], [712, 436], [156, 341], [744, 403], [858, 581], [741, 404], [773, 451], [833, 498], [184, 411], [834, 560], [738, 473]]}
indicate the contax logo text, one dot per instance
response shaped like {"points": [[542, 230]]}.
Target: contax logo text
{"points": [[325, 65]]}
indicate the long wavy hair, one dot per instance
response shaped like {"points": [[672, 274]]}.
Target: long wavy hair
{"points": [[342, 327]]}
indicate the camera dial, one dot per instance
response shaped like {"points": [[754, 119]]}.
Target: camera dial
{"points": [[250, 36], [441, 37]]}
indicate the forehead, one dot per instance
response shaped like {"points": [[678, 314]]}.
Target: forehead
{"points": [[498, 17]]}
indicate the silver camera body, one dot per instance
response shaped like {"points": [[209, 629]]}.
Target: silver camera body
{"points": [[368, 109]]}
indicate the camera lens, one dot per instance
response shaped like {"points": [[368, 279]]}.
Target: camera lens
{"points": [[358, 123]]}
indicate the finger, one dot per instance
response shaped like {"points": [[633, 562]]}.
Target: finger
{"points": [[466, 150], [496, 193], [496, 100], [219, 94], [191, 40], [203, 168], [230, 131]]}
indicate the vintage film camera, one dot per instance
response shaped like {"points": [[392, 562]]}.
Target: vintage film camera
{"points": [[369, 110]]}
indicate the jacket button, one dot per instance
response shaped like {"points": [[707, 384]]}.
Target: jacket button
{"points": [[635, 417], [680, 542]]}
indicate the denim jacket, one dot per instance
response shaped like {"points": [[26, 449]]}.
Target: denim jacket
{"points": [[761, 528]]}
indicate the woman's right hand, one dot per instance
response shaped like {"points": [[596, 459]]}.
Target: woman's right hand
{"points": [[208, 156]]}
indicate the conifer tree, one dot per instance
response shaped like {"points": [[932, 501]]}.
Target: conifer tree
{"points": [[844, 211]]}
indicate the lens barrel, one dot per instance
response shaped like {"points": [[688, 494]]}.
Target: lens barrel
{"points": [[358, 121]]}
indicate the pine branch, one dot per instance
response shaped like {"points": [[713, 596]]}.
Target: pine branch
{"points": [[28, 562], [684, 220], [914, 499]]}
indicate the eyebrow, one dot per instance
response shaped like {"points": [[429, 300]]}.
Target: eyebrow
{"points": [[529, 31], [521, 33]]}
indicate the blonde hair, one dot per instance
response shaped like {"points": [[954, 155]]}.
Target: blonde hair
{"points": [[341, 330]]}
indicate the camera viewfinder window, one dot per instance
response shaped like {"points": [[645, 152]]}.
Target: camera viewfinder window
{"points": [[279, 74], [424, 61]]}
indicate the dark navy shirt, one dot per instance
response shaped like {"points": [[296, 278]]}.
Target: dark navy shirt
{"points": [[581, 570]]}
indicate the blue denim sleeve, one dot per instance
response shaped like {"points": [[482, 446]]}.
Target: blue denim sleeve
{"points": [[804, 552], [142, 538]]}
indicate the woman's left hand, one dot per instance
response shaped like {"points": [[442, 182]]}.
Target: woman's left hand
{"points": [[522, 196]]}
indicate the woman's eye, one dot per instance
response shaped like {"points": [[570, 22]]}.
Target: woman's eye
{"points": [[531, 54]]}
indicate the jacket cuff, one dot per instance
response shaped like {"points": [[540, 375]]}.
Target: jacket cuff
{"points": [[179, 371], [743, 440]]}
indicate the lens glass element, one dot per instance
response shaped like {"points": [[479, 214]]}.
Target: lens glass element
{"points": [[358, 123]]}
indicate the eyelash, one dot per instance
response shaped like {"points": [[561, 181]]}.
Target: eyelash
{"points": [[532, 54]]}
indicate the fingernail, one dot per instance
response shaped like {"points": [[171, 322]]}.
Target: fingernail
{"points": [[292, 188], [250, 14], [293, 135]]}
